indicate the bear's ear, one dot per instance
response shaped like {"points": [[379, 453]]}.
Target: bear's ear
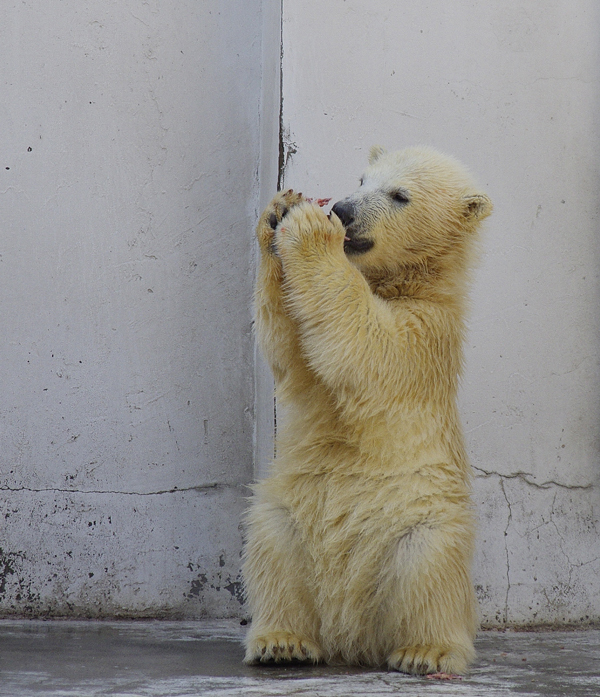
{"points": [[476, 206], [375, 153]]}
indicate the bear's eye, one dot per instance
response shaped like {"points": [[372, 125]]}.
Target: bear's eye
{"points": [[361, 181], [399, 196]]}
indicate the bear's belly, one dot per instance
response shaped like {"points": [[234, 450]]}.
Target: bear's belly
{"points": [[348, 520]]}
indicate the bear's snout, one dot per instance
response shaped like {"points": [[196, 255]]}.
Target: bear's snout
{"points": [[345, 212], [355, 242]]}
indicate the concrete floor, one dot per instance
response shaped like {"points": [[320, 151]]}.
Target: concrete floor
{"points": [[180, 659]]}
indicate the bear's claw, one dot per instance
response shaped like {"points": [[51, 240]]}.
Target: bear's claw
{"points": [[281, 647], [272, 216], [426, 660]]}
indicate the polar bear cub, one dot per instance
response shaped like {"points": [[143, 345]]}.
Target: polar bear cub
{"points": [[359, 543]]}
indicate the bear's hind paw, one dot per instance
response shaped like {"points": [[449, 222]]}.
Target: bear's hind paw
{"points": [[279, 647], [425, 660]]}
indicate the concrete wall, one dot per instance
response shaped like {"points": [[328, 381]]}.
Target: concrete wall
{"points": [[130, 137], [511, 89], [139, 142]]}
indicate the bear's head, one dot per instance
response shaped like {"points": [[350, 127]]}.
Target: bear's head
{"points": [[413, 221]]}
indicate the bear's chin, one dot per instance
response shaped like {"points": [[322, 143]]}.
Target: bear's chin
{"points": [[357, 245]]}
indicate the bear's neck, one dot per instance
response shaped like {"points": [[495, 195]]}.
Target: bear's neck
{"points": [[428, 281]]}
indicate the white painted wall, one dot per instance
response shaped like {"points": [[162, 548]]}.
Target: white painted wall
{"points": [[130, 146], [511, 89], [138, 143]]}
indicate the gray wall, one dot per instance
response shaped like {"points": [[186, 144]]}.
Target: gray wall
{"points": [[130, 137], [138, 144], [511, 89]]}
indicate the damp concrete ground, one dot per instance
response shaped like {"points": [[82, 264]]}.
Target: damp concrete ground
{"points": [[181, 659]]}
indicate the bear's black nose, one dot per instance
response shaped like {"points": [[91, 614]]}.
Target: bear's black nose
{"points": [[345, 212]]}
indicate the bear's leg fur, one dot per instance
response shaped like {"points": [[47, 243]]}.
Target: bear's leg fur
{"points": [[284, 623], [435, 602]]}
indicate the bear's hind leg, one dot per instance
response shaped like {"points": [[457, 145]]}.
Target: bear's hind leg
{"points": [[436, 603], [284, 621]]}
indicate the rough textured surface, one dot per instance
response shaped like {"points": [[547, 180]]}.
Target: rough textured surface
{"points": [[105, 554], [155, 659], [129, 186], [128, 182], [513, 92]]}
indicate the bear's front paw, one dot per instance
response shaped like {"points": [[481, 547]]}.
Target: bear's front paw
{"points": [[272, 216], [280, 647], [423, 660], [306, 228]]}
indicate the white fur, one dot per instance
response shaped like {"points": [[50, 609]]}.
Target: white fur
{"points": [[359, 543]]}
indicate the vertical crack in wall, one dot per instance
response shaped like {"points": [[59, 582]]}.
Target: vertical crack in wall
{"points": [[281, 163], [287, 147], [561, 541], [508, 522], [269, 177], [280, 176]]}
